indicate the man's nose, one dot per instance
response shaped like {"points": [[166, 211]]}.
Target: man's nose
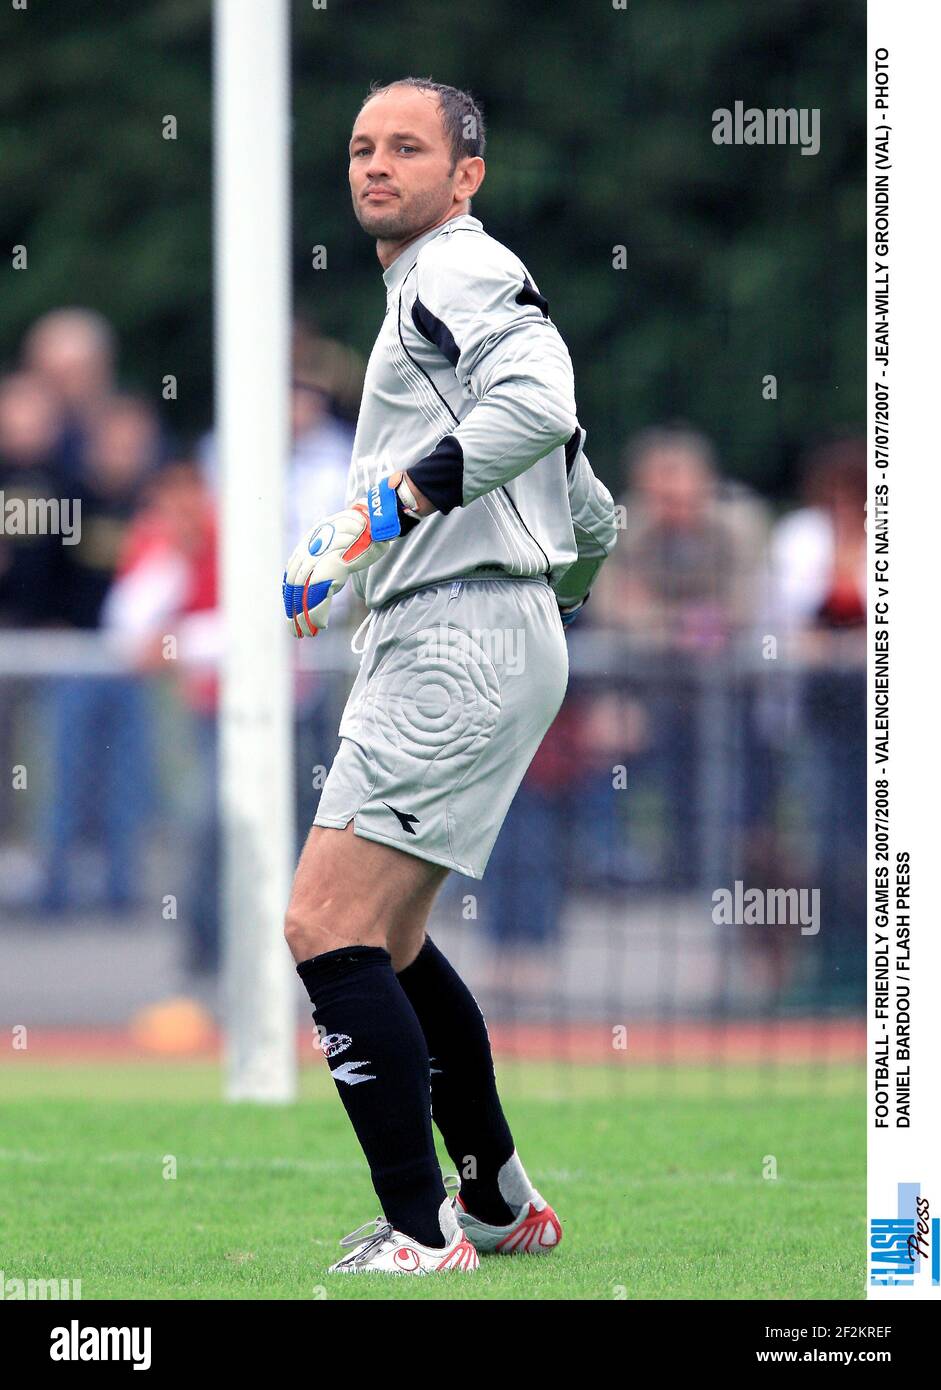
{"points": [[377, 165]]}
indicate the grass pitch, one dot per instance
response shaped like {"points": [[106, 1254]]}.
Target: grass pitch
{"points": [[663, 1181]]}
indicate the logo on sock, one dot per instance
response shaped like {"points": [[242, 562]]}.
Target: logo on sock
{"points": [[335, 1043], [349, 1074]]}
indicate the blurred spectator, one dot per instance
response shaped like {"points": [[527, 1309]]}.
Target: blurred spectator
{"points": [[819, 554], [327, 380], [318, 469], [164, 607], [29, 557], [320, 458], [336, 369], [819, 599], [686, 572], [321, 446], [561, 834], [73, 350], [100, 725], [529, 870], [122, 450], [685, 581], [30, 424]]}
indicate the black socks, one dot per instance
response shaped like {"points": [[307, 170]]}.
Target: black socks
{"points": [[464, 1098], [378, 1032], [376, 1051]]}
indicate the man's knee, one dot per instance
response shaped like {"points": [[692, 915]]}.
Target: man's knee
{"points": [[301, 936], [354, 892], [405, 944], [323, 913], [312, 929], [407, 932]]}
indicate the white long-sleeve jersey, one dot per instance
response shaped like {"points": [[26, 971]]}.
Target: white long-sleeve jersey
{"points": [[470, 389]]}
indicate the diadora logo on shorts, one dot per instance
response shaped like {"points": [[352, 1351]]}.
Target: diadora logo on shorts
{"points": [[335, 1043], [406, 819]]}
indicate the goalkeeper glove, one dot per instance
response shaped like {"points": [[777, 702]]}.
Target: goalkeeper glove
{"points": [[340, 545]]}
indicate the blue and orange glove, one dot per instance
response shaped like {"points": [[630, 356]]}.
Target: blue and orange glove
{"points": [[334, 549]]}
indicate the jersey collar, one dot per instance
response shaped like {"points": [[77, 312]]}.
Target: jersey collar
{"points": [[403, 263]]}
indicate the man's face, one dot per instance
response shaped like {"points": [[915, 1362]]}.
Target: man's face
{"points": [[73, 360], [400, 165], [676, 486]]}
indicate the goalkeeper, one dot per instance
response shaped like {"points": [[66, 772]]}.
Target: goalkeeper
{"points": [[474, 530]]}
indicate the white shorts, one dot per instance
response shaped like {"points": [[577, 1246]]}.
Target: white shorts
{"points": [[457, 686]]}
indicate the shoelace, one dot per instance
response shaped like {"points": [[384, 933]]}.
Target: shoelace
{"points": [[381, 1230]]}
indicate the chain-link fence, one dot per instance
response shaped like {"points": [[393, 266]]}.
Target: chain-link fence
{"points": [[679, 881]]}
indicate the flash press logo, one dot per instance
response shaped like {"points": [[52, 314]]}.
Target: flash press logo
{"points": [[899, 1244]]}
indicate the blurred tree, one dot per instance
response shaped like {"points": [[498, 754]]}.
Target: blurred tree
{"points": [[740, 261], [112, 214]]}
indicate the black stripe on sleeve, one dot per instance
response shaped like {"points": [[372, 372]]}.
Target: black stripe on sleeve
{"points": [[435, 332], [530, 295], [571, 448], [440, 474], [415, 363]]}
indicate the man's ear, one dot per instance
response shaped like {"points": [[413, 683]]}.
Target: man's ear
{"points": [[470, 175]]}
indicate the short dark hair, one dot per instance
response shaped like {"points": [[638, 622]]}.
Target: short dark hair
{"points": [[677, 434], [462, 117]]}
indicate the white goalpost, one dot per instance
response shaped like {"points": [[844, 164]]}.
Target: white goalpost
{"points": [[252, 344]]}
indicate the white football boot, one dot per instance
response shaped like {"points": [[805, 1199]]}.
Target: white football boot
{"points": [[379, 1249], [535, 1229]]}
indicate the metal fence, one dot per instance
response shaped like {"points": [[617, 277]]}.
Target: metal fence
{"points": [[680, 801]]}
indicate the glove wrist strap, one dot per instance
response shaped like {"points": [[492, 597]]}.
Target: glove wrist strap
{"points": [[391, 513], [406, 496], [409, 515], [382, 504]]}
